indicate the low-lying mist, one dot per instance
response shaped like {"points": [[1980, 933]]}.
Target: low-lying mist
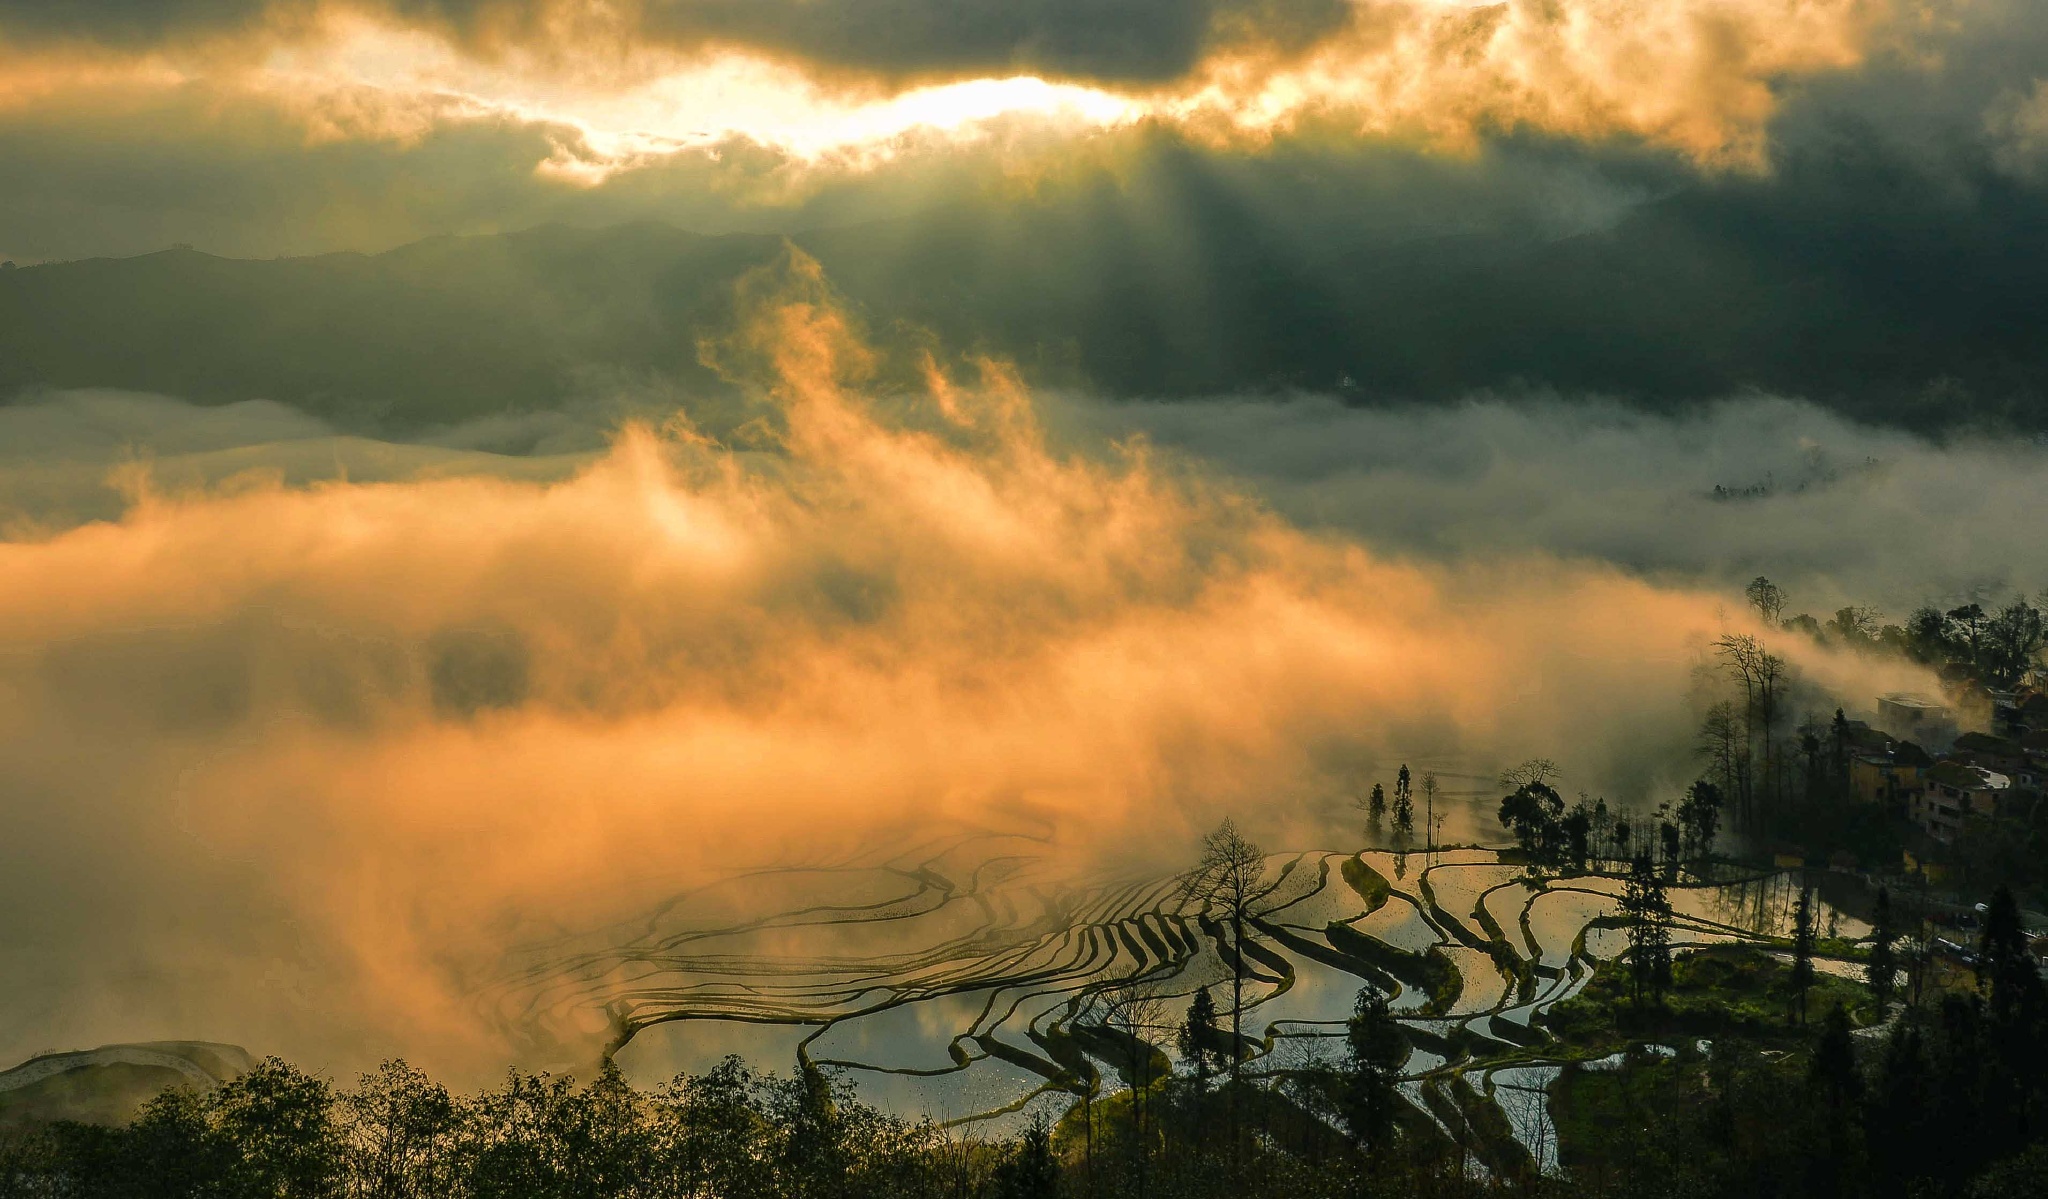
{"points": [[300, 735]]}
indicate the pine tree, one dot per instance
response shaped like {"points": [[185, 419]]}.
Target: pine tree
{"points": [[1376, 1048], [1883, 968], [1404, 803], [1648, 911], [1198, 1037], [1833, 1071], [1801, 981], [1833, 1076], [1030, 1171], [2007, 966]]}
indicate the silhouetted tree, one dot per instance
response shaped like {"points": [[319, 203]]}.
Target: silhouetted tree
{"points": [[1375, 1050], [1198, 1037], [1968, 621], [1833, 1076], [1767, 598], [2006, 970], [1578, 835], [1648, 913], [1800, 981], [1882, 969], [2012, 641], [1533, 811], [1404, 803], [1232, 875], [1029, 1171], [1429, 792], [1699, 815]]}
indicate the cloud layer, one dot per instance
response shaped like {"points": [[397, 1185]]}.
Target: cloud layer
{"points": [[295, 765], [489, 112]]}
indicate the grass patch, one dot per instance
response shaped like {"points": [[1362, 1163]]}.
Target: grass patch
{"points": [[1371, 885], [1720, 990]]}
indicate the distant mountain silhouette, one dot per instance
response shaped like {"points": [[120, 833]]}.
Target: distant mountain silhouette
{"points": [[1700, 295], [109, 1085]]}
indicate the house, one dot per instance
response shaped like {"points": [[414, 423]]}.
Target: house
{"points": [[1891, 777], [1996, 754], [2035, 747], [1954, 792], [2029, 714], [1910, 716]]}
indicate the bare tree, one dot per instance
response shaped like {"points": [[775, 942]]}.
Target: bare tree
{"points": [[1429, 794], [1721, 745], [1135, 1012], [1232, 876], [1530, 773], [1763, 676], [1767, 598]]}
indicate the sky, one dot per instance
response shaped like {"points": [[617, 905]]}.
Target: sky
{"points": [[262, 127], [739, 432]]}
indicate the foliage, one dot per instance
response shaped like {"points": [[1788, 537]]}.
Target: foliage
{"points": [[1646, 911]]}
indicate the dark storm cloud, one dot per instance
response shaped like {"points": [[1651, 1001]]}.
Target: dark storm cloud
{"points": [[126, 22], [1884, 260], [1114, 40]]}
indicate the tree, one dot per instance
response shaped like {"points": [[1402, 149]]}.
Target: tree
{"points": [[1029, 1171], [1532, 811], [1927, 636], [281, 1122], [1801, 980], [1767, 598], [716, 1137], [1763, 676], [1833, 1070], [1132, 1011], [2012, 641], [1968, 620], [1534, 770], [1198, 1037], [1856, 625], [1723, 746], [2018, 1002], [1832, 1074], [1647, 911], [1375, 1047], [1838, 752], [1232, 875], [1404, 803], [1578, 835], [1429, 793], [1882, 970], [399, 1124], [1699, 814], [1375, 808]]}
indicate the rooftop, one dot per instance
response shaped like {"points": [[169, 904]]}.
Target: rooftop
{"points": [[1970, 778]]}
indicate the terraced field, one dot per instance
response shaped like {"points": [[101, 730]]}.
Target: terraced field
{"points": [[963, 982]]}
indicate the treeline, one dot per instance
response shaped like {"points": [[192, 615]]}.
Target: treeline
{"points": [[1951, 1100], [1996, 646], [1324, 1128], [1779, 751], [1547, 833]]}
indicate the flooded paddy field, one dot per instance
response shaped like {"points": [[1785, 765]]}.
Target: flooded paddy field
{"points": [[968, 985]]}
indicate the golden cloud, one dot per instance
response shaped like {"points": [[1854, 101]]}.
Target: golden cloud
{"points": [[295, 766]]}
